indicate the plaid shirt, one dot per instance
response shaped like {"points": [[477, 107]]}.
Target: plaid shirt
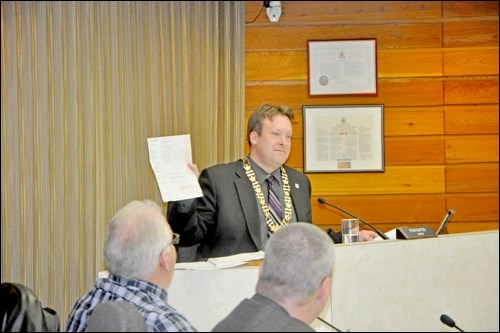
{"points": [[151, 301]]}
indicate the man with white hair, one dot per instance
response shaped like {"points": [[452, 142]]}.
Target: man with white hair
{"points": [[140, 255], [294, 283]]}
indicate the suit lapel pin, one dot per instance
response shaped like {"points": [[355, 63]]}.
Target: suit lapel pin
{"points": [[297, 185]]}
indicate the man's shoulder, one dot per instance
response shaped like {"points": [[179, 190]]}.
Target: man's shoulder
{"points": [[224, 168], [260, 314]]}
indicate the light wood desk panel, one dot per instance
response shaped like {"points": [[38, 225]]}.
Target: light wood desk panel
{"points": [[397, 285]]}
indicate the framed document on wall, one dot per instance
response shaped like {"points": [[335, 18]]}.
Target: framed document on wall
{"points": [[343, 138], [342, 67]]}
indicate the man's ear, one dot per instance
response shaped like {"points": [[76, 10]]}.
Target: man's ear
{"points": [[253, 137], [324, 289], [165, 258]]}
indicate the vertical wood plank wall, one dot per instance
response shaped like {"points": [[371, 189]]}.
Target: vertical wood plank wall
{"points": [[438, 81]]}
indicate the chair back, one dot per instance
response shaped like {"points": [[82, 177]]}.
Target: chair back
{"points": [[21, 311], [116, 316]]}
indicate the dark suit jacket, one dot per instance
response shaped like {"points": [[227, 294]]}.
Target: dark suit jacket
{"points": [[225, 221], [260, 314]]}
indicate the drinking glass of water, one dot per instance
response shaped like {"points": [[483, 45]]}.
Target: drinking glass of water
{"points": [[350, 230]]}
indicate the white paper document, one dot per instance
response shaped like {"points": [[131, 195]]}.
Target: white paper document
{"points": [[222, 262], [169, 157], [242, 258], [204, 265]]}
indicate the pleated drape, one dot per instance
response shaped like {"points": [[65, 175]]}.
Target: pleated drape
{"points": [[84, 84]]}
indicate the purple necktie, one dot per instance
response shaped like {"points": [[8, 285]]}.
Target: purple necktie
{"points": [[273, 199]]}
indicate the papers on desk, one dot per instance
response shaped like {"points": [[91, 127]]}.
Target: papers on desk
{"points": [[169, 157], [241, 258], [222, 262]]}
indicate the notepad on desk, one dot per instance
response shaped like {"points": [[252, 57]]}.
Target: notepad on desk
{"points": [[222, 262], [237, 258]]}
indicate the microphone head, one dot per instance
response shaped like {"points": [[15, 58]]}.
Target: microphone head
{"points": [[447, 320], [321, 200]]}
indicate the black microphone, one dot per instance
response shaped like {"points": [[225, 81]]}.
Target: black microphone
{"points": [[450, 322], [330, 325], [380, 233]]}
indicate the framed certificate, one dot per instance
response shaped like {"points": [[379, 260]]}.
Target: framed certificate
{"points": [[343, 138], [342, 67]]}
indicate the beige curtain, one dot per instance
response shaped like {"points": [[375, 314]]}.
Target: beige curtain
{"points": [[84, 84]]}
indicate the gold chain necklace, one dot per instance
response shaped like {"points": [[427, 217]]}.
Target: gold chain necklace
{"points": [[272, 224]]}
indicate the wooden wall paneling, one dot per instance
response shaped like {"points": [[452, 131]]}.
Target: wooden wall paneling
{"points": [[389, 36], [411, 208], [408, 92], [474, 207], [394, 180], [391, 92], [413, 121], [452, 226], [471, 61], [298, 124], [466, 33], [409, 63], [471, 148], [275, 66], [418, 150], [385, 227], [328, 11], [471, 90], [471, 119], [437, 69], [293, 65], [305, 12], [470, 8], [296, 159], [472, 178], [461, 227]]}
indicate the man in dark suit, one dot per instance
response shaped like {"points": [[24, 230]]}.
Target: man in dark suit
{"points": [[234, 216], [285, 300]]}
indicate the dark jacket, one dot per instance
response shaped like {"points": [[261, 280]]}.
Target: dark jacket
{"points": [[225, 221]]}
